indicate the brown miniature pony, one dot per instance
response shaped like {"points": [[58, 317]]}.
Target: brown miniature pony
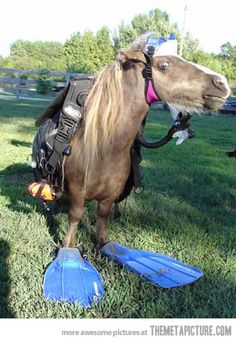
{"points": [[99, 164]]}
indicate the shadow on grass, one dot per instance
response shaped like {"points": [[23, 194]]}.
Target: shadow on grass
{"points": [[21, 109], [5, 282], [14, 181], [26, 129], [210, 297], [17, 143]]}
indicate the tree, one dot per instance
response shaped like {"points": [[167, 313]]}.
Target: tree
{"points": [[72, 50], [190, 46], [81, 53], [228, 51], [37, 55], [156, 21], [1, 60], [21, 49], [126, 35], [88, 53], [105, 50]]}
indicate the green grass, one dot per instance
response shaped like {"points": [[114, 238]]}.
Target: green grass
{"points": [[30, 94], [187, 210]]}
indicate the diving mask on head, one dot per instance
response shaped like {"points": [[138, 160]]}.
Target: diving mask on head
{"points": [[161, 46]]}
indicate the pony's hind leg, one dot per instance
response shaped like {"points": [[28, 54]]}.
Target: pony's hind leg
{"points": [[103, 211], [75, 214]]}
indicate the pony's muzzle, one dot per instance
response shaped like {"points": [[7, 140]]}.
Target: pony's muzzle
{"points": [[221, 83]]}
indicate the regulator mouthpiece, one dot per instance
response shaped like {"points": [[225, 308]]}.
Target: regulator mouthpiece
{"points": [[183, 135]]}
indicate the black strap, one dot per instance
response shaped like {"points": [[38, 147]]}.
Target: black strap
{"points": [[70, 118], [147, 72]]}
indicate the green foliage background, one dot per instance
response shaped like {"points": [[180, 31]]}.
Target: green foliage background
{"points": [[88, 52]]}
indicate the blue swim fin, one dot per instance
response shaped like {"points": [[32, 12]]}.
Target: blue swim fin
{"points": [[72, 279], [159, 269]]}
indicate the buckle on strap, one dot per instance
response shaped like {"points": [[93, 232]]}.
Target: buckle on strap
{"points": [[66, 129], [147, 72]]}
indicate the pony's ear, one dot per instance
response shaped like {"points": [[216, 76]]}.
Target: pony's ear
{"points": [[128, 55]]}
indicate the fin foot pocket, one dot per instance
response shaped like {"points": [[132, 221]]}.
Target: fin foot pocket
{"points": [[72, 279]]}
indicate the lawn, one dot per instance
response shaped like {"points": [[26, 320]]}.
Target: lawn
{"points": [[187, 210]]}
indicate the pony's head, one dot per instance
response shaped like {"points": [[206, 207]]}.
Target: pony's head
{"points": [[189, 86], [182, 84], [118, 93]]}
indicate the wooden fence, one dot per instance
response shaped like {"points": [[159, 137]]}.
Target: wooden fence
{"points": [[21, 83]]}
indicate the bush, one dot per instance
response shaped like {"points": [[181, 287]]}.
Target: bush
{"points": [[43, 86]]}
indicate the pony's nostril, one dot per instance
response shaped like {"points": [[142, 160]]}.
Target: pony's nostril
{"points": [[220, 82]]}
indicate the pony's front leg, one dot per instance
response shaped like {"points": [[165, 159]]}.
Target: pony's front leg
{"points": [[103, 211], [75, 214]]}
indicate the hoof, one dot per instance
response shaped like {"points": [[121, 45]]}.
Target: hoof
{"points": [[116, 212], [99, 247], [54, 252], [231, 154], [117, 215]]}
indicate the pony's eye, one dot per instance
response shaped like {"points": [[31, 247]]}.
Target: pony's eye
{"points": [[164, 66]]}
